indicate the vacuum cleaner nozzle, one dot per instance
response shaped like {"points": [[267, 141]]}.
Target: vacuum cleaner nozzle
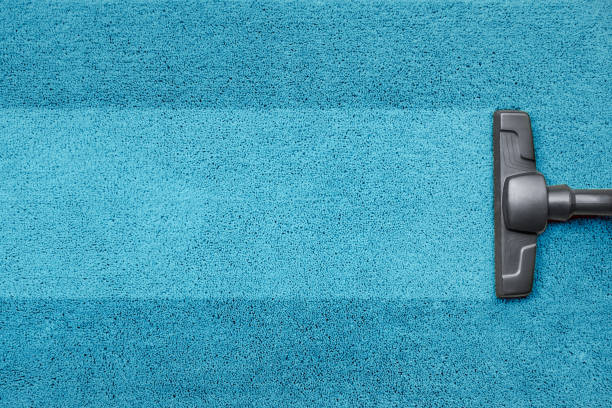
{"points": [[524, 203]]}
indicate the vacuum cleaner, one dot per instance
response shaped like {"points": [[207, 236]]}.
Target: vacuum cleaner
{"points": [[524, 203]]}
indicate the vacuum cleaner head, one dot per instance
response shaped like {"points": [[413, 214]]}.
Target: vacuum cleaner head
{"points": [[523, 203], [515, 251]]}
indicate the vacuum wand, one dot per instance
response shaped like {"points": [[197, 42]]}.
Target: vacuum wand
{"points": [[564, 202]]}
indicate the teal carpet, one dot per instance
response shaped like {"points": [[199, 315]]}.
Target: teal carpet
{"points": [[290, 203]]}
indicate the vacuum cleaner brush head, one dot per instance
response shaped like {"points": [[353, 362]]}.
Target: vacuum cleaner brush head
{"points": [[523, 203]]}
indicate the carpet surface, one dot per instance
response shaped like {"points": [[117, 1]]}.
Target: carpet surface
{"points": [[290, 203]]}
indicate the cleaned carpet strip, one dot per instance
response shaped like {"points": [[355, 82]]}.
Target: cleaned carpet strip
{"points": [[283, 203]]}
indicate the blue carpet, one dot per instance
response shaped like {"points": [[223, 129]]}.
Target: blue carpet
{"points": [[290, 203]]}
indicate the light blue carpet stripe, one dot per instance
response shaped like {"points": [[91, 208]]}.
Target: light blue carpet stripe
{"points": [[283, 203]]}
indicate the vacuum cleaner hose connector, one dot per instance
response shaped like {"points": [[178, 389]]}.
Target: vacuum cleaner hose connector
{"points": [[564, 203]]}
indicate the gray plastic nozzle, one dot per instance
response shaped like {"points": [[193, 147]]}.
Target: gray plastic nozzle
{"points": [[523, 203]]}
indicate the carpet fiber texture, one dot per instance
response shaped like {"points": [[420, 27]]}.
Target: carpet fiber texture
{"points": [[290, 203]]}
